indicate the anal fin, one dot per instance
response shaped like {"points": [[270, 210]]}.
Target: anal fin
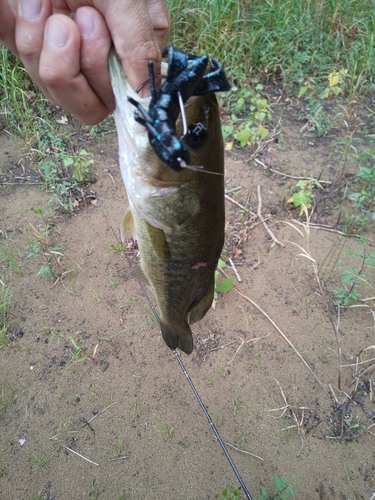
{"points": [[198, 311]]}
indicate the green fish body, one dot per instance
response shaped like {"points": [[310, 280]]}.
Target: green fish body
{"points": [[177, 217]]}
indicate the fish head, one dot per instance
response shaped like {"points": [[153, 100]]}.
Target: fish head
{"points": [[166, 198]]}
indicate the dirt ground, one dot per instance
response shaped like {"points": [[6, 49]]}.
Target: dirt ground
{"points": [[149, 438]]}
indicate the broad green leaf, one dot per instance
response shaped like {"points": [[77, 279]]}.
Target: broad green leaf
{"points": [[263, 132], [68, 162], [225, 285], [302, 91], [260, 116], [243, 136]]}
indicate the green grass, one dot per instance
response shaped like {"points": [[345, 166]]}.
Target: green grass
{"points": [[4, 312], [290, 38], [64, 168], [283, 490]]}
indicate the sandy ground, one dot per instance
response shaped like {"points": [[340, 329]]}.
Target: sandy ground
{"points": [[153, 441]]}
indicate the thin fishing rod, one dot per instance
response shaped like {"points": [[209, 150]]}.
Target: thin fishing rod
{"points": [[207, 415], [216, 432]]}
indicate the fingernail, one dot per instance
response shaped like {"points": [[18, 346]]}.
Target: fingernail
{"points": [[86, 22], [29, 9], [57, 35]]}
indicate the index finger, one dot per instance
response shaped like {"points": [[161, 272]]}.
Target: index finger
{"points": [[139, 29]]}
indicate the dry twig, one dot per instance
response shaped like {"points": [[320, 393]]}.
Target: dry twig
{"points": [[235, 270], [242, 451], [97, 415], [259, 213], [281, 335], [235, 202], [290, 176], [84, 458]]}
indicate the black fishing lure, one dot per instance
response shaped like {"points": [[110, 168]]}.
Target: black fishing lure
{"points": [[186, 77]]}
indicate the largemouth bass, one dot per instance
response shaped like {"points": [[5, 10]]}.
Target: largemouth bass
{"points": [[176, 215]]}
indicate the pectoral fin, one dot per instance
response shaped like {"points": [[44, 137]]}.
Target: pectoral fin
{"points": [[178, 336], [127, 223], [159, 241], [198, 311]]}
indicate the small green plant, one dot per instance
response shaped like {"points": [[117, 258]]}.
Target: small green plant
{"points": [[134, 408], [304, 197], [40, 463], [354, 279], [283, 490], [351, 421], [223, 371], [363, 198], [42, 245], [236, 404], [41, 495], [224, 286], [4, 313], [64, 428], [230, 493], [165, 427], [81, 165], [242, 437], [79, 354], [8, 257], [94, 493], [251, 104], [118, 447], [114, 281], [121, 496], [65, 173], [92, 389], [336, 84]]}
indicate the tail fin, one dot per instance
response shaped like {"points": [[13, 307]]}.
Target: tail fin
{"points": [[178, 336]]}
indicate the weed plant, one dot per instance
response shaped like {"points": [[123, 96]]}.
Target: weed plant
{"points": [[294, 39], [65, 170], [4, 311], [355, 280], [363, 198], [23, 107], [283, 490]]}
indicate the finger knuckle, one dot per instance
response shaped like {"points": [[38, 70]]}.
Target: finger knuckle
{"points": [[28, 47]]}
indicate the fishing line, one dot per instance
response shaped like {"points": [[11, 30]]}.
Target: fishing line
{"points": [[207, 415]]}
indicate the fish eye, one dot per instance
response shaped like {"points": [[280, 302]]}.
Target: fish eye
{"points": [[196, 135]]}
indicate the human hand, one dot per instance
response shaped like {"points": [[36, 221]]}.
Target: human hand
{"points": [[64, 46]]}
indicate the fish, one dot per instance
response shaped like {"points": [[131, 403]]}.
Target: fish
{"points": [[177, 215]]}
